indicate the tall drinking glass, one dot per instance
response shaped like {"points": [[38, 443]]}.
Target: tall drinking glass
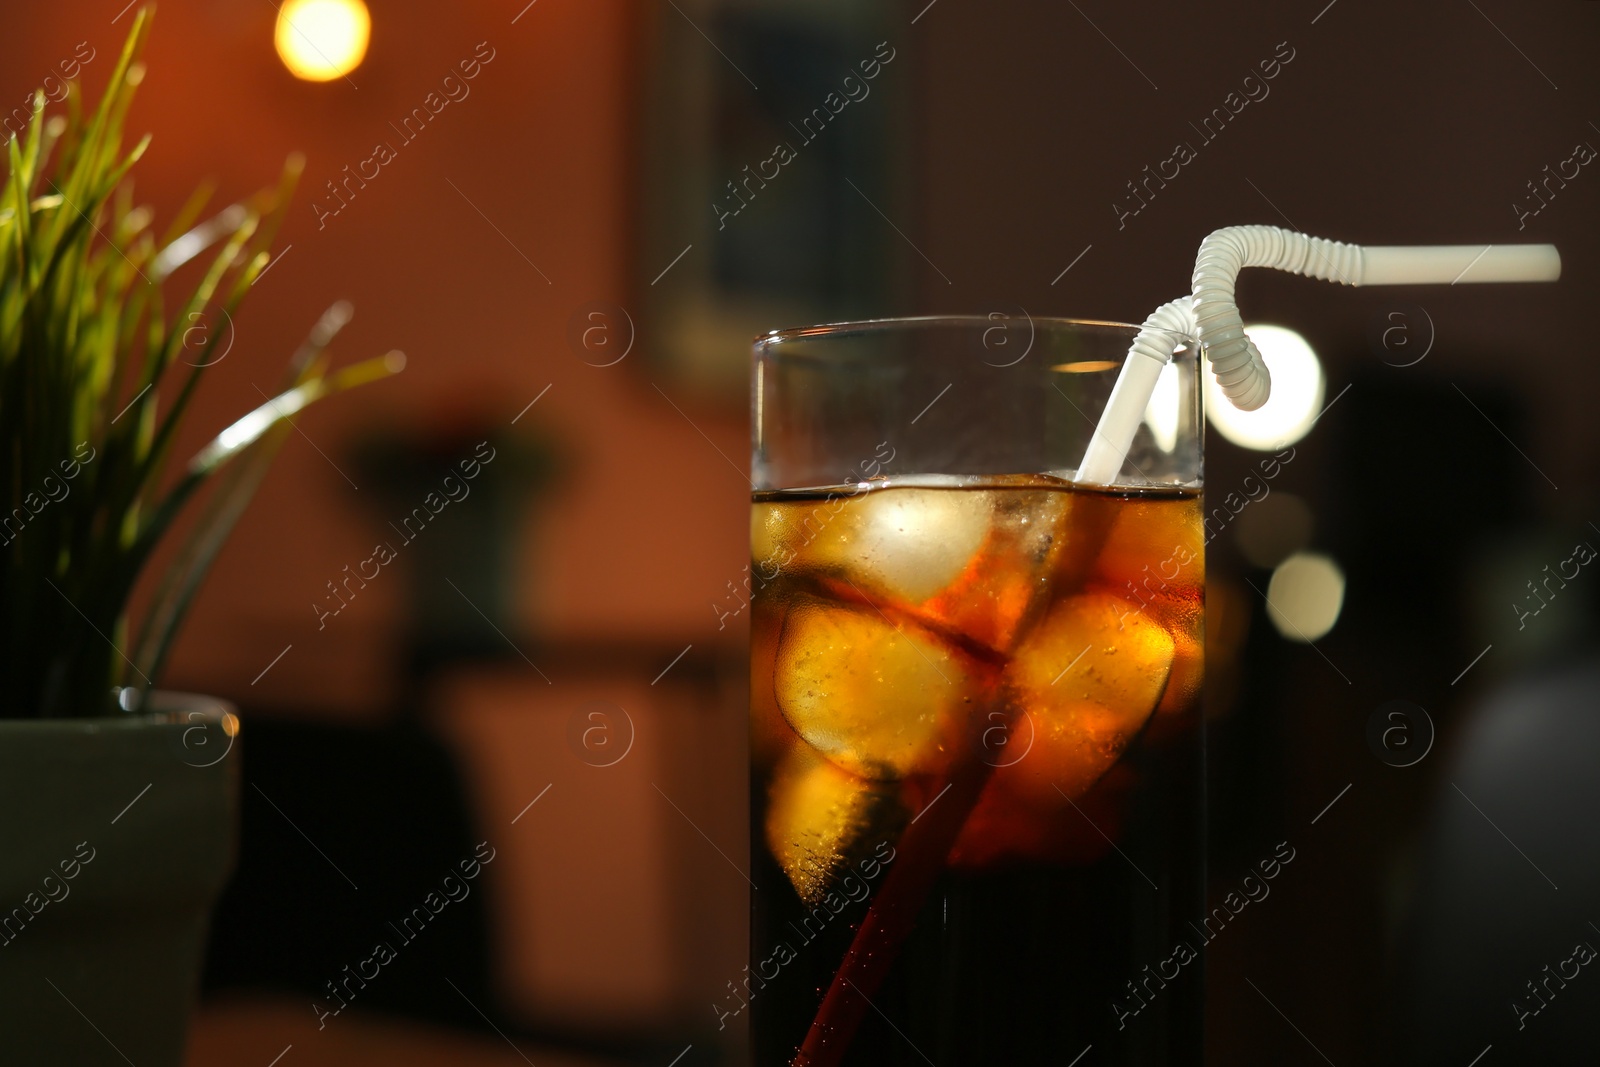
{"points": [[976, 748]]}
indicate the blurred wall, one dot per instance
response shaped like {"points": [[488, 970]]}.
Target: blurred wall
{"points": [[438, 256]]}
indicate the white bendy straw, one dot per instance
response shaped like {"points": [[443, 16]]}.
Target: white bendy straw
{"points": [[1211, 317]]}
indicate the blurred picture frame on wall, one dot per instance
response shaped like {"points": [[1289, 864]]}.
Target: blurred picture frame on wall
{"points": [[774, 173]]}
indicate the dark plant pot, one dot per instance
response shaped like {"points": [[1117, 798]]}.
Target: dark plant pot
{"points": [[116, 836]]}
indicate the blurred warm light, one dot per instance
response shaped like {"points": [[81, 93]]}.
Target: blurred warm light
{"points": [[319, 40], [1296, 401], [1305, 595], [1086, 366], [1162, 414]]}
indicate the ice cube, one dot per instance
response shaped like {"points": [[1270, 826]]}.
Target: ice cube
{"points": [[1154, 553], [972, 563], [1006, 581], [880, 697], [1088, 676], [897, 544], [1188, 671], [782, 531], [910, 543], [821, 821]]}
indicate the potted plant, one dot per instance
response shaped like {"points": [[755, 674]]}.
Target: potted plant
{"points": [[117, 801]]}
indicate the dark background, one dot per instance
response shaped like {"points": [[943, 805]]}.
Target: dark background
{"points": [[413, 725]]}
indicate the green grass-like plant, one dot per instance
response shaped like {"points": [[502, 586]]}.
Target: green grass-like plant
{"points": [[96, 375]]}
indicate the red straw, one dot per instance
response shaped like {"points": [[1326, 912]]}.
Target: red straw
{"points": [[919, 858]]}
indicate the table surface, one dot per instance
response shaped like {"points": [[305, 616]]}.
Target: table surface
{"points": [[255, 1032]]}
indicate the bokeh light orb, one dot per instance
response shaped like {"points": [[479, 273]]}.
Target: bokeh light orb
{"points": [[1305, 596], [1296, 401], [1164, 413], [320, 40]]}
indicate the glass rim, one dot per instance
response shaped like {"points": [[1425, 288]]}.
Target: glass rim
{"points": [[833, 329]]}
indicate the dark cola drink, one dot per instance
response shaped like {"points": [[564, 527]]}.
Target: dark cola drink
{"points": [[976, 775]]}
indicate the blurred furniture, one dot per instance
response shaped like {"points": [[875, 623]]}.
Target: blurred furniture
{"points": [[345, 830], [620, 895], [455, 499], [1489, 956], [614, 909]]}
